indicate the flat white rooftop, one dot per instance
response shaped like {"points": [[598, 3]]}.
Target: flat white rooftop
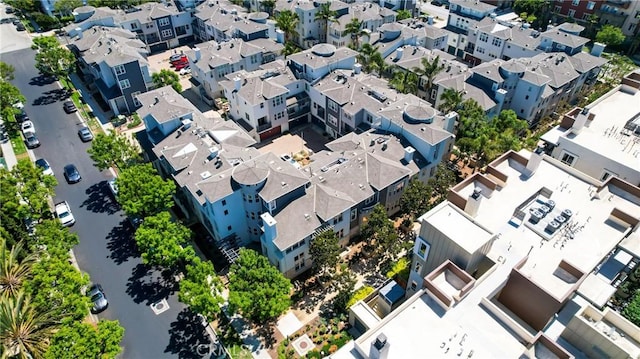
{"points": [[469, 235]]}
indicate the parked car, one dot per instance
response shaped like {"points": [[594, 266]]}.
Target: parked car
{"points": [[20, 27], [63, 212], [16, 21], [44, 165], [181, 65], [186, 70], [22, 116], [98, 298], [9, 10], [178, 58], [27, 126], [31, 140], [113, 187], [69, 107], [85, 134], [71, 174]]}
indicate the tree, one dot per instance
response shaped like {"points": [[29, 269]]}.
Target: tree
{"points": [[537, 11], [268, 6], [344, 283], [53, 59], [9, 94], [163, 242], [13, 269], [429, 69], [415, 199], [632, 310], [610, 35], [65, 7], [84, 340], [439, 185], [325, 15], [404, 81], [371, 59], [24, 191], [142, 192], [289, 49], [24, 5], [403, 14], [24, 330], [165, 78], [325, 251], [257, 289], [380, 233], [287, 21], [112, 150], [56, 286], [6, 71], [201, 289], [56, 239], [354, 28], [451, 100]]}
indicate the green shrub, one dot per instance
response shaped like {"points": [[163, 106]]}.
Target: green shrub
{"points": [[632, 310], [400, 269], [359, 295], [46, 22]]}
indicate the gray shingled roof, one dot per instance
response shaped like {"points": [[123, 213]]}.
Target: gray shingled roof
{"points": [[525, 38], [557, 67], [474, 4], [113, 46], [150, 11], [384, 172], [261, 84], [489, 70], [564, 38], [495, 28], [584, 62], [283, 178], [367, 11], [309, 58], [296, 221], [164, 104]]}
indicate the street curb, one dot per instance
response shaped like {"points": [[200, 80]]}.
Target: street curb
{"points": [[72, 258]]}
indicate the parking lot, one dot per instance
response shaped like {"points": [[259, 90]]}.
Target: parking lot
{"points": [[160, 62]]}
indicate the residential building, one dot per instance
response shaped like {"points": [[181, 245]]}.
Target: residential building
{"points": [[211, 61], [578, 10], [315, 63], [463, 16], [159, 25], [502, 269], [370, 14], [213, 20], [308, 30], [624, 14], [113, 62], [603, 139], [266, 102]]}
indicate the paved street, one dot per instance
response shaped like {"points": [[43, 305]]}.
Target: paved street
{"points": [[106, 250]]}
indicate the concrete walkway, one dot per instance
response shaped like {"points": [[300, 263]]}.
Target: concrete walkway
{"points": [[8, 155]]}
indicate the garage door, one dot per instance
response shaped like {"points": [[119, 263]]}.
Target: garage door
{"points": [[298, 122], [270, 133], [158, 47]]}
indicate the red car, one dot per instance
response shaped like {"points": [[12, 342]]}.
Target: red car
{"points": [[180, 65], [178, 59]]}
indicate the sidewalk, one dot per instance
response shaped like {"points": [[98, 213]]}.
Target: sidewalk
{"points": [[8, 155], [103, 117]]}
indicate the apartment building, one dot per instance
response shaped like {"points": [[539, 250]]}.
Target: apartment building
{"points": [[213, 19], [603, 139], [113, 63], [463, 16], [518, 262], [211, 61], [624, 14], [370, 14], [266, 102], [309, 32], [160, 26]]}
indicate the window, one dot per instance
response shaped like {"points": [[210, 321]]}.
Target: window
{"points": [[575, 2], [606, 174], [224, 202], [568, 159], [483, 37], [134, 96], [418, 266], [571, 13], [496, 42], [167, 33], [226, 212], [163, 22], [332, 106], [414, 285], [591, 5], [120, 70], [557, 9], [480, 50], [526, 97], [354, 214], [125, 84], [134, 26], [369, 200], [228, 228]]}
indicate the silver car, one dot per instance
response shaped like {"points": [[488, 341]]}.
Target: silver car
{"points": [[98, 298]]}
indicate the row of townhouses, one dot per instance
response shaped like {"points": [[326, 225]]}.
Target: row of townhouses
{"points": [[524, 260]]}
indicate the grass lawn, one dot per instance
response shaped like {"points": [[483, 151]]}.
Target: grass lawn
{"points": [[238, 352], [19, 148]]}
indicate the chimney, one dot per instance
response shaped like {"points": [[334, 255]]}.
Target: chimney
{"points": [[597, 49], [473, 202], [534, 161], [357, 68], [399, 53], [450, 121], [580, 121], [379, 348], [198, 55], [270, 230], [237, 83], [408, 153], [430, 20]]}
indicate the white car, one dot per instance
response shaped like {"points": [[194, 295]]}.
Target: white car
{"points": [[27, 126], [63, 212]]}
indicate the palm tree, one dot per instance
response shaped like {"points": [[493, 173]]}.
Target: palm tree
{"points": [[13, 271], [325, 15], [451, 100], [429, 70], [404, 81], [403, 14], [366, 56], [290, 48], [354, 28], [268, 5], [24, 332], [287, 21]]}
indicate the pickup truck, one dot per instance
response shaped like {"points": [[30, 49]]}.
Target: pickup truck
{"points": [[63, 212]]}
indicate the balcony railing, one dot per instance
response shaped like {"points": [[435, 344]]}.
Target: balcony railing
{"points": [[265, 126]]}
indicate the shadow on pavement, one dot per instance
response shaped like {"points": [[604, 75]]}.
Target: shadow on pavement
{"points": [[100, 200], [52, 96], [149, 285], [121, 244], [42, 80], [187, 333]]}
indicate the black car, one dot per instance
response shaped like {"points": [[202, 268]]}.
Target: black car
{"points": [[98, 298], [22, 116], [31, 140], [71, 174], [20, 27], [436, 3], [69, 107], [9, 10]]}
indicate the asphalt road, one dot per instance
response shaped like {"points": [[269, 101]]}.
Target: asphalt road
{"points": [[106, 250]]}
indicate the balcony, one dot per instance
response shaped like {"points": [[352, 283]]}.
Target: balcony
{"points": [[264, 126]]}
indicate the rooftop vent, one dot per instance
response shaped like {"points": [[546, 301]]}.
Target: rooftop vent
{"points": [[205, 174], [307, 216]]}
